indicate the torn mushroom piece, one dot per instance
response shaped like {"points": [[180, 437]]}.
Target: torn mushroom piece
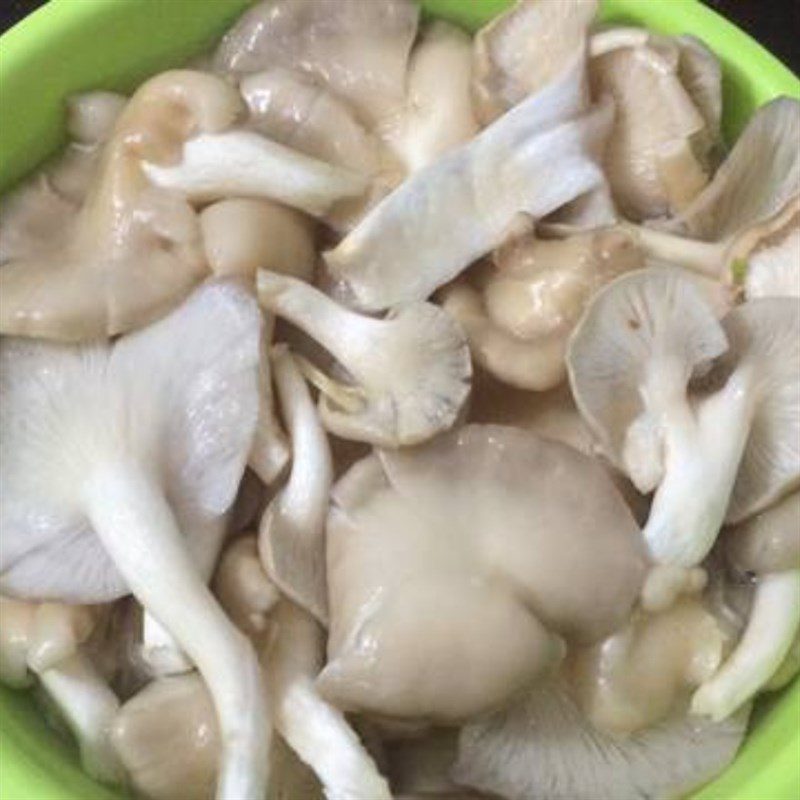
{"points": [[545, 747], [767, 545], [407, 375], [316, 730], [519, 312], [359, 51], [722, 456], [99, 470], [752, 202], [46, 639], [533, 160], [658, 154], [291, 536], [774, 268], [241, 235], [639, 675], [434, 553], [133, 250]]}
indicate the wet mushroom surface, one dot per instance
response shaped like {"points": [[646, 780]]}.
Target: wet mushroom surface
{"points": [[389, 410]]}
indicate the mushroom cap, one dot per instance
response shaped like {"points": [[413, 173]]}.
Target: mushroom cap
{"points": [[287, 106], [241, 235], [357, 50], [655, 124], [769, 541], [545, 747], [700, 74], [755, 182], [523, 49], [649, 322], [534, 159], [764, 337], [133, 251], [67, 411], [474, 526]]}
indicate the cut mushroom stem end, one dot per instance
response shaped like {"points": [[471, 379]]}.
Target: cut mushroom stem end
{"points": [[770, 632]]}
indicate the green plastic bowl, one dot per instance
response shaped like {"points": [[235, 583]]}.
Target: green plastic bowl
{"points": [[71, 45]]}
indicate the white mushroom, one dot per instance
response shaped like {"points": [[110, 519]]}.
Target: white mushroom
{"points": [[357, 50], [242, 235], [534, 159], [658, 154], [435, 553], [407, 375], [754, 195], [720, 457], [520, 314], [91, 116], [771, 629], [774, 269], [437, 114], [292, 531], [545, 747], [100, 470], [133, 250], [317, 731]]}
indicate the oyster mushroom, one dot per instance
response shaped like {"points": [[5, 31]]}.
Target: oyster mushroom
{"points": [[710, 459], [545, 747], [774, 269], [754, 197], [101, 470], [46, 640], [168, 738], [447, 215], [437, 114], [658, 155], [316, 730], [637, 677], [292, 532], [480, 525], [522, 310], [133, 250], [767, 545], [241, 235], [359, 51], [520, 51], [407, 375]]}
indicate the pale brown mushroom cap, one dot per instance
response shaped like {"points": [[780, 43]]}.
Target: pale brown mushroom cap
{"points": [[449, 526]]}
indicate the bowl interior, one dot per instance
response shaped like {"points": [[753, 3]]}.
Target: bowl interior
{"points": [[69, 46]]}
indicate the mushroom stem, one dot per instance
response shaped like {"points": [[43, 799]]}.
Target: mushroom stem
{"points": [[140, 534], [702, 449], [291, 538], [244, 164], [89, 706], [159, 648], [770, 631], [343, 333], [317, 731], [705, 258]]}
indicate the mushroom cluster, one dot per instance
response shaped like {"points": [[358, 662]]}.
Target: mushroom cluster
{"points": [[390, 412]]}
